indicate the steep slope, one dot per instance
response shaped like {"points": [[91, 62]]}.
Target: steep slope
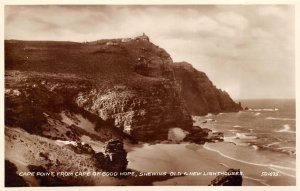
{"points": [[199, 93], [123, 83]]}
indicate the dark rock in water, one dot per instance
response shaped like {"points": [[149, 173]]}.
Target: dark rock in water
{"points": [[234, 178], [12, 179], [216, 136], [200, 94], [240, 105], [246, 108], [202, 135], [114, 158], [196, 135]]}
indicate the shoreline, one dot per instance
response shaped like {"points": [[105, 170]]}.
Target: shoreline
{"points": [[198, 158], [250, 163]]}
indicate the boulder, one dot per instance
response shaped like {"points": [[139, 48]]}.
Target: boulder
{"points": [[234, 178]]}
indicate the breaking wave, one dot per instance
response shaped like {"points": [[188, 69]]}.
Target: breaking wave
{"points": [[257, 114], [275, 109], [251, 163], [286, 129], [284, 119]]}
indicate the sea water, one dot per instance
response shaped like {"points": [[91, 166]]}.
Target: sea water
{"points": [[261, 139], [263, 135], [267, 124]]}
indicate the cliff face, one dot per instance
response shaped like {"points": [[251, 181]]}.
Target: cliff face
{"points": [[124, 84], [199, 93], [130, 84]]}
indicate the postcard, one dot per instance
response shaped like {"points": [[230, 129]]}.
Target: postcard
{"points": [[100, 95]]}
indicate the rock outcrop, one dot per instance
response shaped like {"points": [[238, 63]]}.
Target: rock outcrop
{"points": [[200, 94], [233, 178], [202, 135], [114, 157]]}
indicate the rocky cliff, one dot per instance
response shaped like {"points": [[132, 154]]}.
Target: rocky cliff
{"points": [[200, 94], [128, 84]]}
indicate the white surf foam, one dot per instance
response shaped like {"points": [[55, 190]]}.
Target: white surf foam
{"points": [[233, 130], [246, 162], [286, 129], [257, 114], [236, 126], [245, 136], [264, 109], [255, 147], [274, 143], [177, 134], [229, 139], [283, 119]]}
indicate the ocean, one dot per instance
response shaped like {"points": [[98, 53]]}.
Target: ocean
{"points": [[259, 140], [264, 135], [267, 124]]}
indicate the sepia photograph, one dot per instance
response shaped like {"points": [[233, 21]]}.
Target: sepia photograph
{"points": [[149, 95]]}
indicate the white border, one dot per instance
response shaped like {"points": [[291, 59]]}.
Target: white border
{"points": [[145, 2]]}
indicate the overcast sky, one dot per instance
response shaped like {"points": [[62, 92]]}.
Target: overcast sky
{"points": [[245, 50]]}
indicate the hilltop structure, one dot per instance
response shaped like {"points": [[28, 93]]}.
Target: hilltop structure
{"points": [[143, 37]]}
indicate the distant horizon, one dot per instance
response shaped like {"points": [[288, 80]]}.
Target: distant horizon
{"points": [[264, 99]]}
